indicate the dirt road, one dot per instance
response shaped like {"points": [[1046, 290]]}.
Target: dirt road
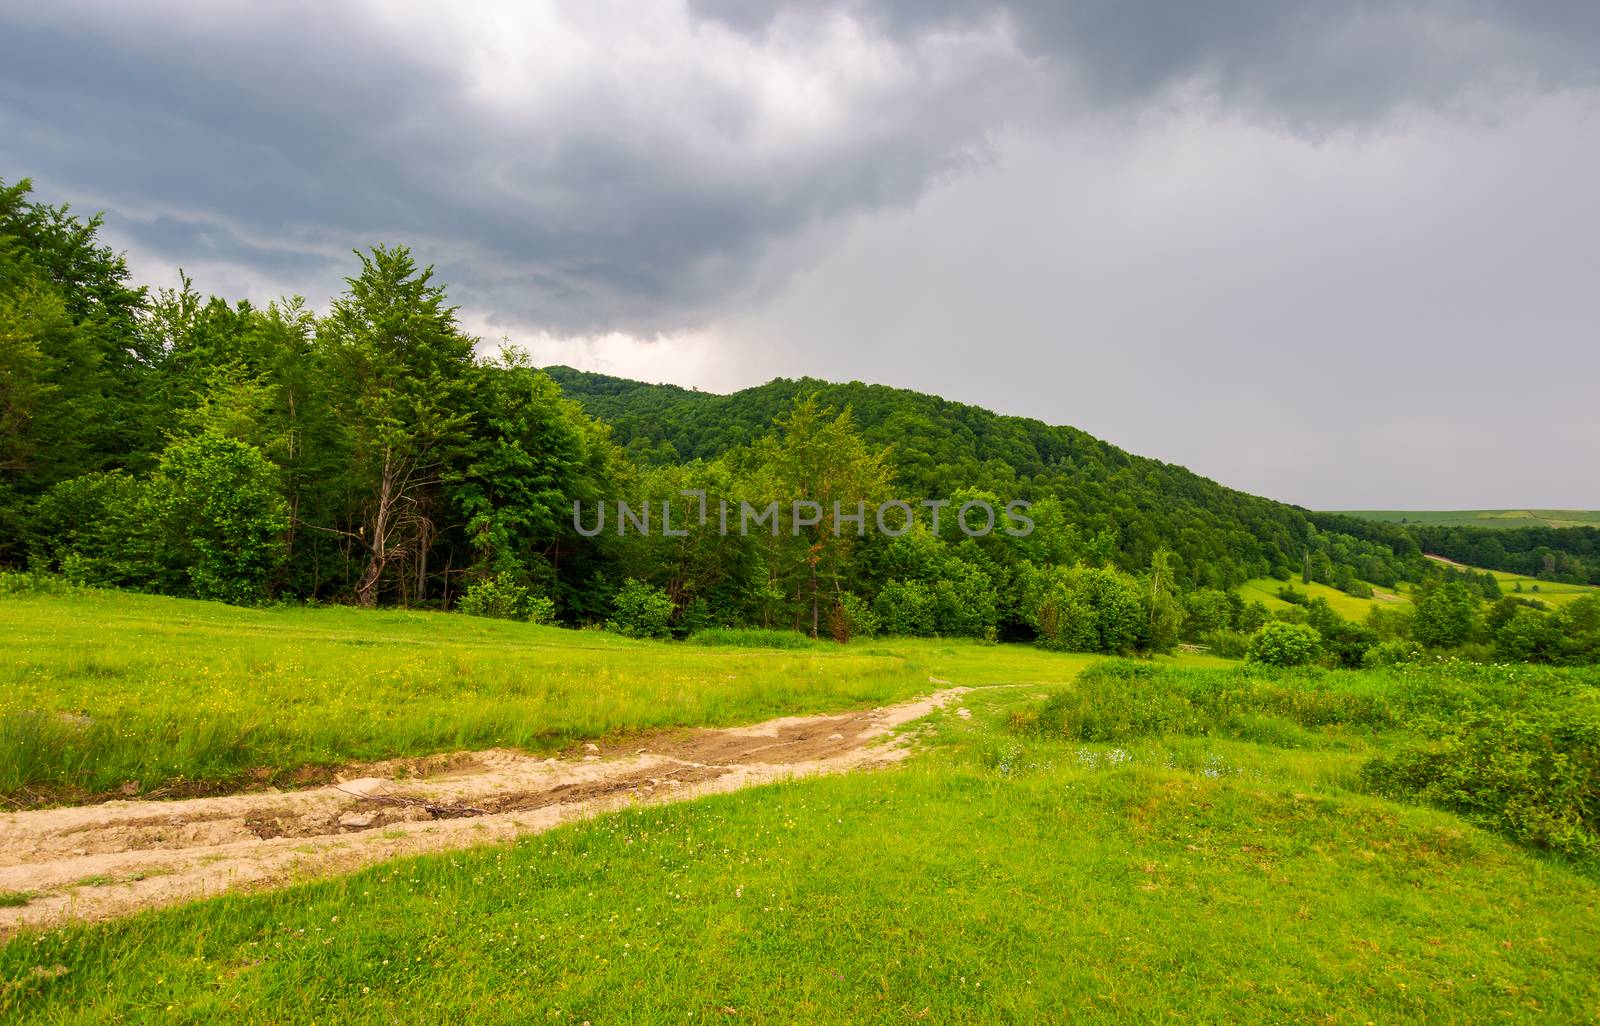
{"points": [[99, 861]]}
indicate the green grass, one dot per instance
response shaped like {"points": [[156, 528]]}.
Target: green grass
{"points": [[1503, 518], [1265, 591], [1552, 592], [1000, 876], [101, 689]]}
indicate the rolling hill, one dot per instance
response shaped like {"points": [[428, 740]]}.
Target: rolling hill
{"points": [[1223, 536]]}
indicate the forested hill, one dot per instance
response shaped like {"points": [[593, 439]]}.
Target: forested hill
{"points": [[1222, 536]]}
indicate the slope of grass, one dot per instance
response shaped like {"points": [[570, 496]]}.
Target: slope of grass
{"points": [[102, 689], [996, 878], [1505, 518], [1265, 591], [1552, 592]]}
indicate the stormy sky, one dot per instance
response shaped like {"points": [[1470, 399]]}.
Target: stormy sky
{"points": [[1340, 254]]}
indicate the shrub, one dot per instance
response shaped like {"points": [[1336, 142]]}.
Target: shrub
{"points": [[1397, 652], [1285, 644], [1252, 616], [964, 601], [696, 616], [1445, 614], [1085, 609], [1360, 589], [23, 583], [1228, 644], [500, 597], [905, 609], [851, 617], [1530, 636], [640, 610], [1532, 773]]}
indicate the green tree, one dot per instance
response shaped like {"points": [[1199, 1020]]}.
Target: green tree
{"points": [[814, 463], [641, 611], [212, 521], [1445, 614], [1285, 644], [1164, 620], [403, 369]]}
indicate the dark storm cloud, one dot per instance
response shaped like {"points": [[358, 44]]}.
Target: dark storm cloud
{"points": [[1312, 61], [309, 132], [665, 171]]}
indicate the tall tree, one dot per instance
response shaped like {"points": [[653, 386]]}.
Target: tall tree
{"points": [[403, 366], [815, 462]]}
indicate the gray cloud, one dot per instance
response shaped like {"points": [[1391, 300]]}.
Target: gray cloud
{"points": [[706, 176], [632, 191], [642, 185]]}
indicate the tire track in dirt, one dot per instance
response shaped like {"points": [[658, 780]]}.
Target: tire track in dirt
{"points": [[101, 861]]}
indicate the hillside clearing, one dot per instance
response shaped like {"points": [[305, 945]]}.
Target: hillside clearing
{"points": [[1554, 593], [1265, 591]]}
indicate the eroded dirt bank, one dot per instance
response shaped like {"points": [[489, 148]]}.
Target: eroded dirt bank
{"points": [[99, 861]]}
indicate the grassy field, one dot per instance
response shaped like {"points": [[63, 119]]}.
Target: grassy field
{"points": [[1552, 592], [1019, 870], [1265, 591], [1503, 518], [102, 689]]}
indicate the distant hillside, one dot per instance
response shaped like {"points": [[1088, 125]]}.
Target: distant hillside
{"points": [[1497, 519], [1223, 536]]}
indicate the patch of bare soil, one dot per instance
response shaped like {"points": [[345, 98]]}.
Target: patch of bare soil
{"points": [[100, 861]]}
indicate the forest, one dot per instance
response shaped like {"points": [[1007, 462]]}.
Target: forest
{"points": [[370, 452]]}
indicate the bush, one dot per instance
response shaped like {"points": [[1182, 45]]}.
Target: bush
{"points": [[23, 583], [500, 597], [694, 617], [641, 610], [905, 609], [213, 519], [1445, 614], [1252, 616], [1533, 774], [1285, 644], [1393, 653], [1228, 644], [1087, 610]]}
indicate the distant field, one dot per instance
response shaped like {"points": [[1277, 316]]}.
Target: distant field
{"points": [[1553, 592], [1504, 518], [1265, 591]]}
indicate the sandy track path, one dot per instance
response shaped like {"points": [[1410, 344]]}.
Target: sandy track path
{"points": [[99, 861]]}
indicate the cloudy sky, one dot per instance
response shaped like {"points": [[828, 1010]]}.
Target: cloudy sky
{"points": [[1341, 254]]}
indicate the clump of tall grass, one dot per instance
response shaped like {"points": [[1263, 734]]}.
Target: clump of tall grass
{"points": [[17, 582], [1122, 700], [753, 637]]}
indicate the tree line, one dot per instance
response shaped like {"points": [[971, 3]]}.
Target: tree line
{"points": [[373, 454]]}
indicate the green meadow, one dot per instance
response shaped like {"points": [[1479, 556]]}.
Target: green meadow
{"points": [[1265, 591], [1139, 843], [100, 689]]}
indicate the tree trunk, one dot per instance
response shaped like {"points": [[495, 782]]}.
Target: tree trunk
{"points": [[378, 544]]}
